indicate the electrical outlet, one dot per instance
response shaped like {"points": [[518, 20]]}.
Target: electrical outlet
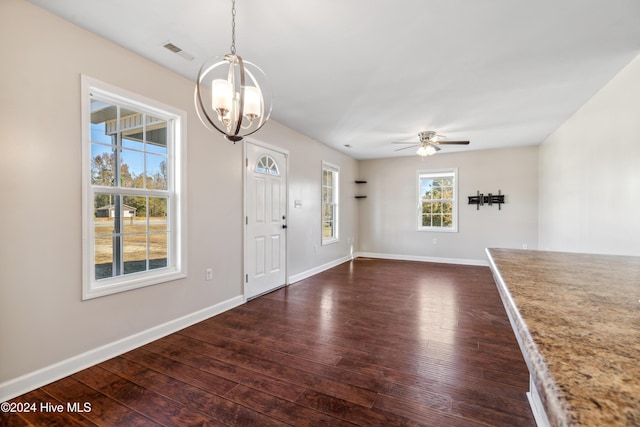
{"points": [[524, 246], [435, 241], [209, 274]]}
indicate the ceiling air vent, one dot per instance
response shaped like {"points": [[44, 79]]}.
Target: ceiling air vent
{"points": [[175, 49]]}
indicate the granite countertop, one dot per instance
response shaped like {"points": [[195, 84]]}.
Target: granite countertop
{"points": [[577, 319]]}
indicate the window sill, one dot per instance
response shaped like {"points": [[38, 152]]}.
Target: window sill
{"points": [[438, 230], [95, 289], [326, 242]]}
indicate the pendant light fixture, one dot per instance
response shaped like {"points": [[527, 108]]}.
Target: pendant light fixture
{"points": [[232, 95]]}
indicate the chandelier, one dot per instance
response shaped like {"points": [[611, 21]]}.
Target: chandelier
{"points": [[232, 95]]}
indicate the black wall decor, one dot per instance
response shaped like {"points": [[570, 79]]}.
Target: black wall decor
{"points": [[480, 199]]}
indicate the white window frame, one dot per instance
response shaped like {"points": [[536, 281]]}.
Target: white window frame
{"points": [[335, 170], [438, 173], [176, 192]]}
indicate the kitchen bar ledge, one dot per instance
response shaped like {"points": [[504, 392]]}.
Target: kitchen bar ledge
{"points": [[577, 320]]}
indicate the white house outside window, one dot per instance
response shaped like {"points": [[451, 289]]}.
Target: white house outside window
{"points": [[438, 200], [132, 198], [330, 191]]}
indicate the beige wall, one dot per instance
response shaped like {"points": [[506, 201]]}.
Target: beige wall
{"points": [[590, 174], [42, 318], [388, 214]]}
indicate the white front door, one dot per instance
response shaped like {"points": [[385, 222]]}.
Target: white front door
{"points": [[265, 222]]}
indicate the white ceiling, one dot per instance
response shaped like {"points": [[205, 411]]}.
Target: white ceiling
{"points": [[500, 73]]}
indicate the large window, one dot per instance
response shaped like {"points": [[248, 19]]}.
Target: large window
{"points": [[132, 198], [438, 200], [330, 191]]}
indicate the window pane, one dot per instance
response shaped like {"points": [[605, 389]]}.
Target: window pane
{"points": [[426, 220], [131, 169], [327, 212], [327, 177], [327, 194], [447, 207], [156, 135], [327, 229], [447, 193], [102, 165], [426, 207], [437, 221], [134, 211], [436, 192], [156, 172], [447, 220], [103, 258], [101, 113], [104, 223], [130, 143], [135, 253], [103, 213], [158, 250], [157, 214]]}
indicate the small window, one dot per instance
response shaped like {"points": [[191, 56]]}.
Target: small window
{"points": [[267, 165], [132, 198], [437, 200], [330, 191]]}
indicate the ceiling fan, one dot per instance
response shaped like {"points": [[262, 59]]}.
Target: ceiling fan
{"points": [[429, 143]]}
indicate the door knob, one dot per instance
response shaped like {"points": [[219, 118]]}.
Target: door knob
{"points": [[284, 226]]}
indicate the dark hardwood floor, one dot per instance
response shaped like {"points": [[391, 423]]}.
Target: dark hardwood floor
{"points": [[369, 343]]}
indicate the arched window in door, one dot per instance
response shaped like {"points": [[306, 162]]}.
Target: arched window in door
{"points": [[267, 165]]}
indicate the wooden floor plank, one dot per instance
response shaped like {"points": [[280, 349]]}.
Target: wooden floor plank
{"points": [[369, 342], [241, 375], [144, 395], [104, 409], [282, 409]]}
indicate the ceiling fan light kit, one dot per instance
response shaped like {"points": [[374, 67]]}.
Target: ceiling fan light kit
{"points": [[232, 96], [426, 150], [429, 143]]}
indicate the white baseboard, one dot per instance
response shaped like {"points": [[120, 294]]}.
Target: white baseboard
{"points": [[479, 262], [33, 380], [305, 274], [537, 408]]}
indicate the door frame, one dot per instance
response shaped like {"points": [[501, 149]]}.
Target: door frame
{"points": [[285, 152]]}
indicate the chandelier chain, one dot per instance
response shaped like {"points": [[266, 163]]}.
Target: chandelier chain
{"points": [[233, 27]]}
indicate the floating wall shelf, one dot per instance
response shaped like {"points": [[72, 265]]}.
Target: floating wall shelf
{"points": [[480, 199], [358, 181]]}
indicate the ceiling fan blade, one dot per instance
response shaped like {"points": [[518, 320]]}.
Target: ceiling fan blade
{"points": [[407, 142], [453, 142], [405, 148]]}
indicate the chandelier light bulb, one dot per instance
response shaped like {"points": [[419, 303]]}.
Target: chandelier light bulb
{"points": [[221, 96], [252, 102]]}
